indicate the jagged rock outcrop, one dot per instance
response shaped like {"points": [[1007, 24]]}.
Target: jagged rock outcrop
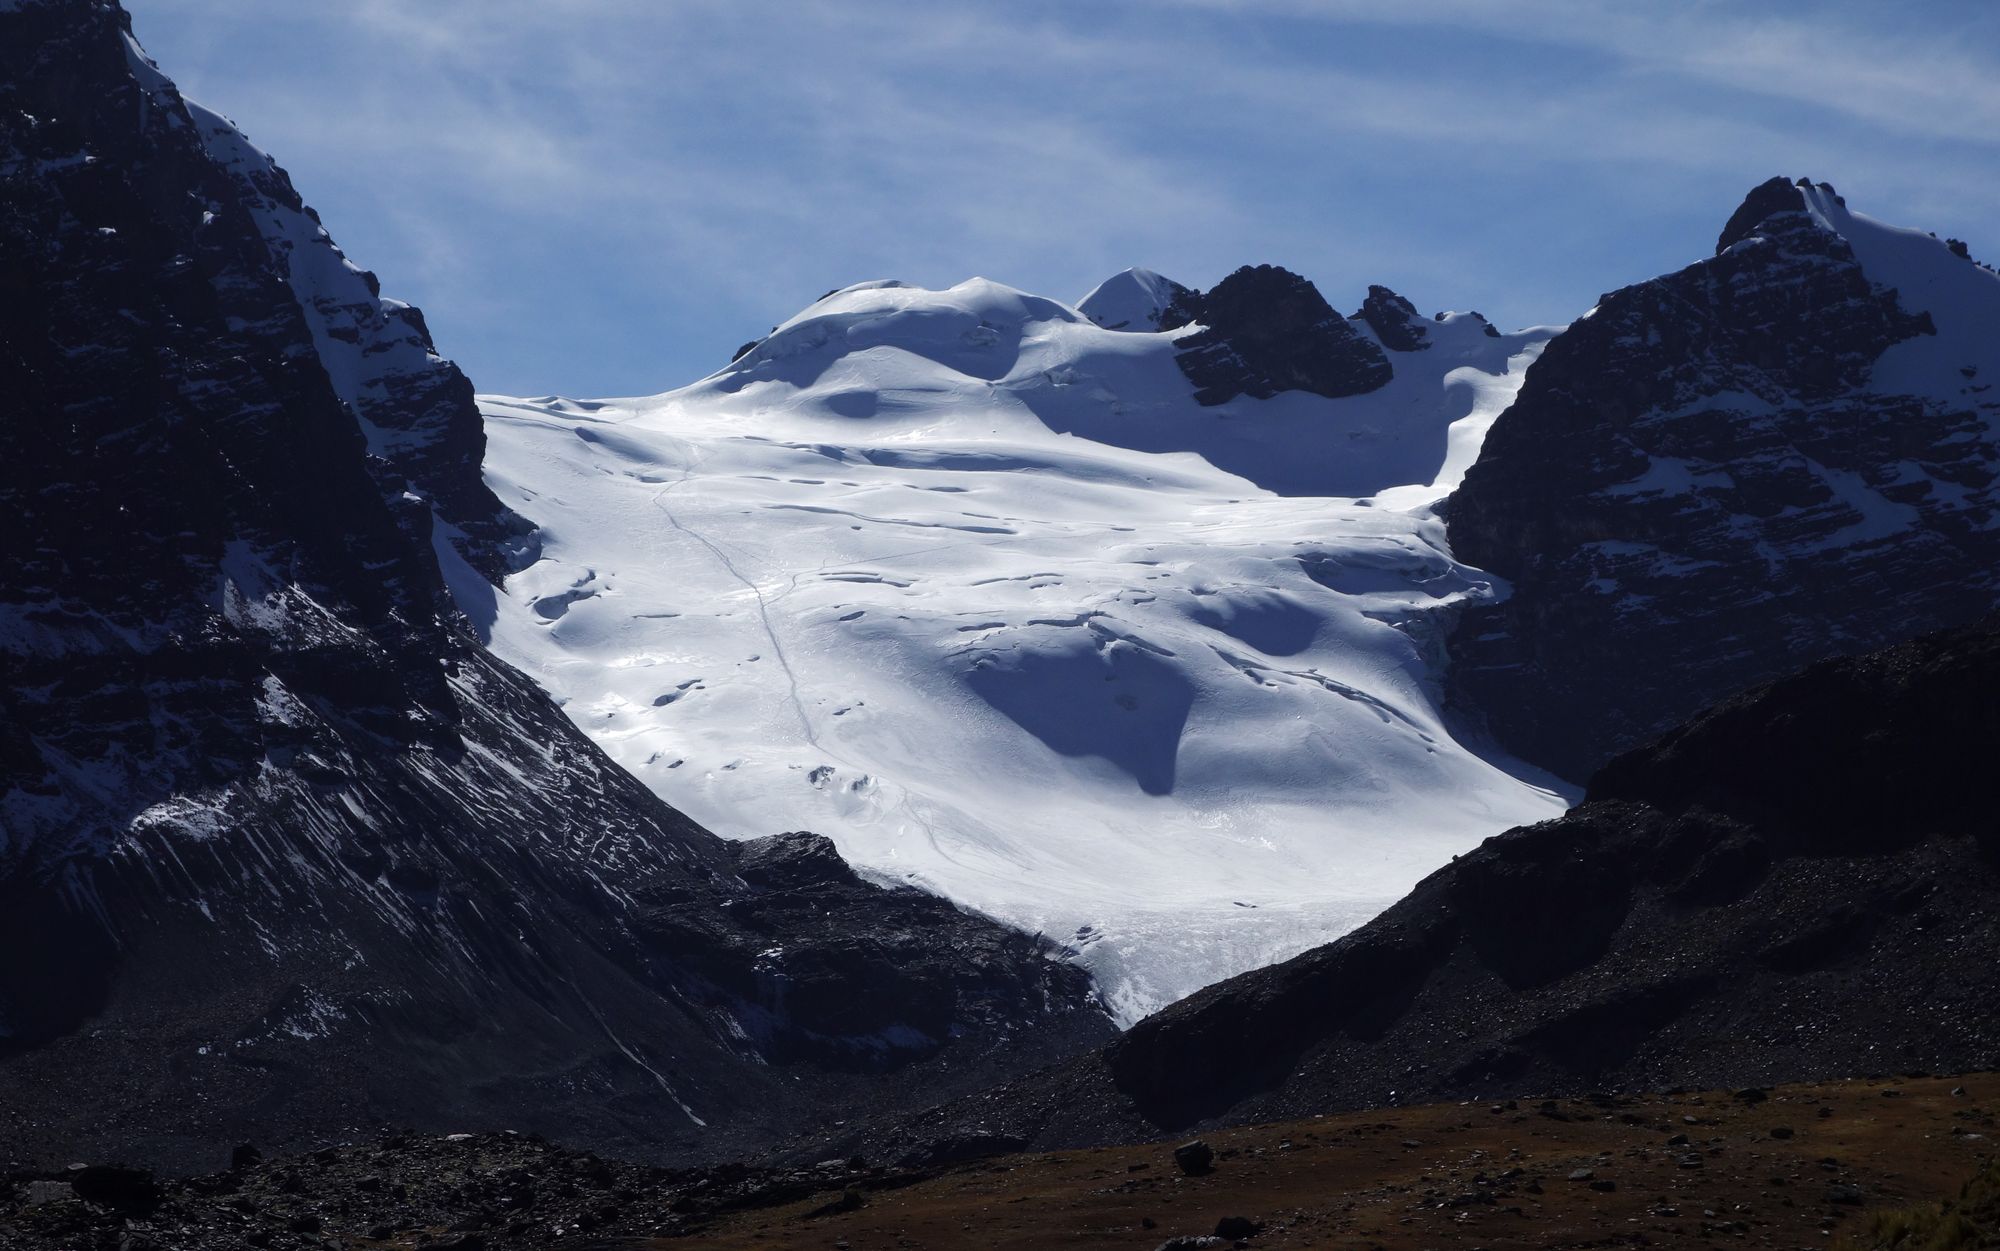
{"points": [[1766, 200], [286, 851], [1395, 321], [198, 176], [1785, 452], [1266, 330], [1799, 884], [416, 410]]}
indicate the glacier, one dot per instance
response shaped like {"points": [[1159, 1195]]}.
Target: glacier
{"points": [[972, 585]]}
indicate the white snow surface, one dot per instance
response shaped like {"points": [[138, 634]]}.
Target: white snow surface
{"points": [[1960, 362], [955, 578], [1133, 299]]}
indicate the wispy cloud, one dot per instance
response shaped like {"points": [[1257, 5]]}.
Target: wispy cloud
{"points": [[1928, 72], [608, 194]]}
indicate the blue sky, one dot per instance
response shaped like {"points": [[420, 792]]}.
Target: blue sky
{"points": [[605, 197]]}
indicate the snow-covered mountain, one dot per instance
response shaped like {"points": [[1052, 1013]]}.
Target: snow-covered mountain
{"points": [[1135, 623], [285, 853], [1049, 617], [1127, 621], [1133, 299], [1787, 451]]}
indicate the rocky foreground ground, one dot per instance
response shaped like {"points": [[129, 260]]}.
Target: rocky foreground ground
{"points": [[1793, 1166]]}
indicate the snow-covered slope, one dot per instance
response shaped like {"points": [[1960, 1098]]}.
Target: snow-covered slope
{"points": [[1132, 299], [954, 577]]}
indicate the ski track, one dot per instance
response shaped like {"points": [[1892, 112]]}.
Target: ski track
{"points": [[763, 605]]}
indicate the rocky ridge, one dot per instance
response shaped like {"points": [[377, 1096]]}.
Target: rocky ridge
{"points": [[1782, 453], [1263, 330], [287, 853]]}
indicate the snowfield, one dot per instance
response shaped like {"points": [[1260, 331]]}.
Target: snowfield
{"points": [[973, 586]]}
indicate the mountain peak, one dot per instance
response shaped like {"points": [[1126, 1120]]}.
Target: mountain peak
{"points": [[1133, 299], [1766, 200], [1772, 197], [1394, 320], [1266, 330], [1824, 359]]}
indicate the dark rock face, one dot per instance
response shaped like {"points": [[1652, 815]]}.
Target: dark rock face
{"points": [[416, 410], [117, 1187], [1799, 884], [1731, 471], [181, 199], [1394, 321], [1194, 1158], [1767, 199], [793, 963], [1233, 1228], [1266, 330], [286, 852]]}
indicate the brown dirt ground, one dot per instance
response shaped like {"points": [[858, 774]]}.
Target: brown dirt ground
{"points": [[1456, 1175]]}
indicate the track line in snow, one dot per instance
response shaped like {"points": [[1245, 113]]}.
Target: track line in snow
{"points": [[763, 606]]}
